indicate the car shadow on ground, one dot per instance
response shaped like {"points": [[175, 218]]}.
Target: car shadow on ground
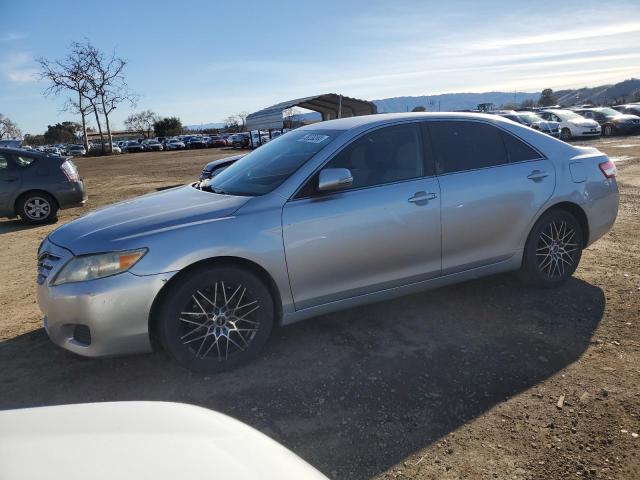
{"points": [[355, 392], [15, 225]]}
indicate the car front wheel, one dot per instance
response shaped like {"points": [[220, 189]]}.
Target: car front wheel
{"points": [[553, 249], [215, 318], [37, 208], [565, 134]]}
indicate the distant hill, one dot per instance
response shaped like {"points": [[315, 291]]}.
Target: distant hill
{"points": [[204, 126], [451, 101], [621, 92]]}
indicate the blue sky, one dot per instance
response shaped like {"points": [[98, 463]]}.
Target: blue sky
{"points": [[203, 61]]}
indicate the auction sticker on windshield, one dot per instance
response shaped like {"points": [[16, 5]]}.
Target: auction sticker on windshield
{"points": [[313, 138]]}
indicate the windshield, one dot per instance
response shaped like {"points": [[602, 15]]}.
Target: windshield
{"points": [[529, 117], [609, 112], [266, 168], [567, 115]]}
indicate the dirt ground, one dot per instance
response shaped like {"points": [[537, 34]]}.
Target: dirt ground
{"points": [[459, 382]]}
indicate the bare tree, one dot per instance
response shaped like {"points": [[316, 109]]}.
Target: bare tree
{"points": [[242, 118], [142, 122], [108, 86], [232, 123], [8, 129], [70, 74]]}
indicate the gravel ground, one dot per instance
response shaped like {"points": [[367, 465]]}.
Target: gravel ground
{"points": [[485, 379]]}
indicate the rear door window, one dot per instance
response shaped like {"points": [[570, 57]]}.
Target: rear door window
{"points": [[466, 145]]}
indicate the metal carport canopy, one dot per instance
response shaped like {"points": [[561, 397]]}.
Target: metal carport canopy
{"points": [[329, 105]]}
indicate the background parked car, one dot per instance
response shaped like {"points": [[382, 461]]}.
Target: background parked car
{"points": [[630, 108], [132, 146], [239, 140], [53, 151], [152, 145], [611, 121], [173, 144], [572, 125], [196, 142], [34, 185], [76, 150], [217, 141], [212, 169], [534, 121]]}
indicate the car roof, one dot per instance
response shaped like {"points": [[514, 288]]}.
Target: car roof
{"points": [[18, 151], [382, 118]]}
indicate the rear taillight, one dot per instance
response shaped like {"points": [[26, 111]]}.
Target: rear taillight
{"points": [[70, 171], [608, 169]]}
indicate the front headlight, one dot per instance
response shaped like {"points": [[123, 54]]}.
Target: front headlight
{"points": [[91, 267]]}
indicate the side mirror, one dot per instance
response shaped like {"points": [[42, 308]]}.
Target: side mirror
{"points": [[334, 179]]}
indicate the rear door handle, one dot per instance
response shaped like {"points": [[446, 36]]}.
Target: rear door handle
{"points": [[422, 197], [537, 175], [10, 178]]}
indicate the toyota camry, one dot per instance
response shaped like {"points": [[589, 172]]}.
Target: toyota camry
{"points": [[329, 216]]}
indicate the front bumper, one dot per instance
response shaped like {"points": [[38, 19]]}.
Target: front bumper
{"points": [[114, 309]]}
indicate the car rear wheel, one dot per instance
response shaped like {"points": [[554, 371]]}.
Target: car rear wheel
{"points": [[565, 134], [607, 130], [215, 318], [553, 249], [37, 208]]}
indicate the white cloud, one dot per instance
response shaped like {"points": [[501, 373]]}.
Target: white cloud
{"points": [[18, 67], [591, 32], [13, 36]]}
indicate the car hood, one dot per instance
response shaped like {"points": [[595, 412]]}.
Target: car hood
{"points": [[129, 224], [134, 440]]}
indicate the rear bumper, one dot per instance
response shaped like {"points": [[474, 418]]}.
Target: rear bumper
{"points": [[71, 194]]}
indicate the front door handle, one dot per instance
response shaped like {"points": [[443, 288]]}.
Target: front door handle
{"points": [[422, 197], [537, 175], [10, 178]]}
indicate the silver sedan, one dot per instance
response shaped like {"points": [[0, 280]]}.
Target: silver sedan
{"points": [[326, 217]]}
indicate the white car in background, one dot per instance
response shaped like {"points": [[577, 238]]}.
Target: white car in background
{"points": [[572, 125], [138, 440]]}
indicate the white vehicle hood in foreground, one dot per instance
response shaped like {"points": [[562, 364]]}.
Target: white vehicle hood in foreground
{"points": [[139, 440]]}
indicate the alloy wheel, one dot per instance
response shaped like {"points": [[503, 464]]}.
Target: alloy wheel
{"points": [[37, 208], [556, 249], [219, 321]]}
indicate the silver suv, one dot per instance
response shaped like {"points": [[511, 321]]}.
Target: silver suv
{"points": [[326, 217]]}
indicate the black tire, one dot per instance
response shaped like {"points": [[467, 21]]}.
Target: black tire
{"points": [[227, 340], [37, 208], [553, 250], [608, 131], [565, 134]]}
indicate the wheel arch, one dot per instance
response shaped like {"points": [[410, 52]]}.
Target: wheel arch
{"points": [[23, 194], [578, 212], [240, 262]]}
